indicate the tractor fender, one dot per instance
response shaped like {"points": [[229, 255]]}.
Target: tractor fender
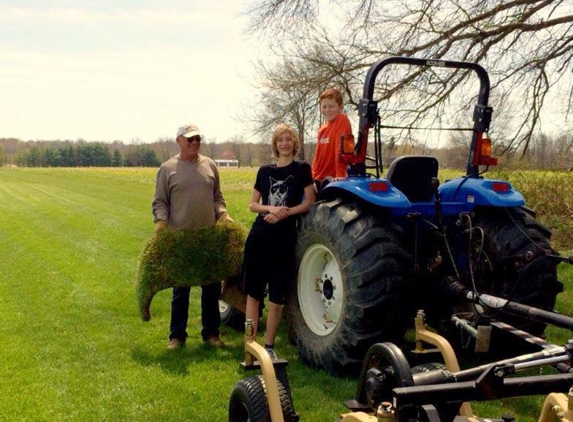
{"points": [[379, 192], [477, 192]]}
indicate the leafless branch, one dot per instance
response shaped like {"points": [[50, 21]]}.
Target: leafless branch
{"points": [[526, 45]]}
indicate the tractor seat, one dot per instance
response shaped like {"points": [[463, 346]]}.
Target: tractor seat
{"points": [[412, 175]]}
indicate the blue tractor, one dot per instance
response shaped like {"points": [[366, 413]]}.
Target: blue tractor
{"points": [[374, 250]]}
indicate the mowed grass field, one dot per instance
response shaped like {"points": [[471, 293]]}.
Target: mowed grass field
{"points": [[72, 344]]}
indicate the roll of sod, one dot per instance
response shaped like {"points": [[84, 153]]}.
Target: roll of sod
{"points": [[188, 258]]}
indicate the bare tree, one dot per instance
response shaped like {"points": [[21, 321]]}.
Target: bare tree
{"points": [[289, 94], [526, 45], [237, 142], [248, 153], [210, 147], [552, 152], [290, 86], [275, 17], [165, 148]]}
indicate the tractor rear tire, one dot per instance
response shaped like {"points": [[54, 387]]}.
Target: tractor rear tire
{"points": [[517, 264], [350, 291], [249, 402]]}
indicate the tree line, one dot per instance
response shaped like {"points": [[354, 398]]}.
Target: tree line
{"points": [[75, 154], [81, 153], [544, 152]]}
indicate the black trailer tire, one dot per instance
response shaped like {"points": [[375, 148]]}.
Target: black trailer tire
{"points": [[350, 290], [516, 262], [249, 402]]}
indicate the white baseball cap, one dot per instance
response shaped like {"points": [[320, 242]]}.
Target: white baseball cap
{"points": [[188, 131]]}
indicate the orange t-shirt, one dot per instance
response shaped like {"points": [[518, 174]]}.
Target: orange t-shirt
{"points": [[327, 162]]}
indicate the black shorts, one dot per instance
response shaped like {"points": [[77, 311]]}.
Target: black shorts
{"points": [[269, 260]]}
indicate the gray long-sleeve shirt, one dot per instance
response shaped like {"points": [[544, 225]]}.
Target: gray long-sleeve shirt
{"points": [[188, 193]]}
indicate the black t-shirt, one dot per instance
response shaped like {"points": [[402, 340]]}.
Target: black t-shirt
{"points": [[282, 186]]}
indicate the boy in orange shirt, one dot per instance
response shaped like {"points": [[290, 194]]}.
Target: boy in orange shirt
{"points": [[327, 163]]}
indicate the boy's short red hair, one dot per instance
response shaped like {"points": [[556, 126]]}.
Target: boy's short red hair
{"points": [[333, 94]]}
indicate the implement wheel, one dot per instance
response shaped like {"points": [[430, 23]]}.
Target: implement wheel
{"points": [[248, 402], [231, 316]]}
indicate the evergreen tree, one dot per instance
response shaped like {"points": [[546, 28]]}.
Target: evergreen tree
{"points": [[117, 159]]}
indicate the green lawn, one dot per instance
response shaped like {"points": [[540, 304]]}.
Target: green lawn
{"points": [[72, 344]]}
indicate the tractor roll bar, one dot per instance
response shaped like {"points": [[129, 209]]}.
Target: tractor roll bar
{"points": [[368, 108], [369, 83]]}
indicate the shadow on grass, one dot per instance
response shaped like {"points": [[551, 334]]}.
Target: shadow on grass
{"points": [[180, 362]]}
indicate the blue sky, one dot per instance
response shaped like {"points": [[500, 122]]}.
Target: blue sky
{"points": [[123, 70]]}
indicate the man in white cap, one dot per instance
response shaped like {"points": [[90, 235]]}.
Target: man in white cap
{"points": [[188, 196]]}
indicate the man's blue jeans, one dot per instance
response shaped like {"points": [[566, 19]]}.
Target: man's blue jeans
{"points": [[210, 317]]}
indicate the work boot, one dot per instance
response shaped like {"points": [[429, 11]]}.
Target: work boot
{"points": [[175, 343], [214, 341]]}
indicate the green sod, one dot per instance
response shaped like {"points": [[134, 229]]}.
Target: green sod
{"points": [[188, 258]]}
